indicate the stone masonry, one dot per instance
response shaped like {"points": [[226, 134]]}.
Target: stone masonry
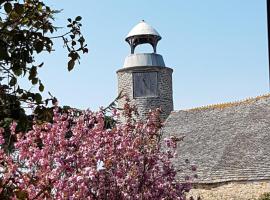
{"points": [[242, 190], [164, 99]]}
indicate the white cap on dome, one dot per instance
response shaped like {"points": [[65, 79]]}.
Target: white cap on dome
{"points": [[143, 29]]}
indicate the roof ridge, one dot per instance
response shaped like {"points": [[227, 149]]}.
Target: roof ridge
{"points": [[228, 104]]}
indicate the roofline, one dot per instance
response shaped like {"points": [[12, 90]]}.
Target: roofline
{"points": [[226, 104]]}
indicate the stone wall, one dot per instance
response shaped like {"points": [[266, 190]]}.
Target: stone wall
{"points": [[164, 100], [250, 190]]}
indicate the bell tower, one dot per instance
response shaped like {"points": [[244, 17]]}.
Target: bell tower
{"points": [[144, 78]]}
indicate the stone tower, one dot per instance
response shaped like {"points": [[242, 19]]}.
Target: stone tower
{"points": [[144, 77]]}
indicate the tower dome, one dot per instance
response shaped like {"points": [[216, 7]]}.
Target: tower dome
{"points": [[143, 33], [142, 28]]}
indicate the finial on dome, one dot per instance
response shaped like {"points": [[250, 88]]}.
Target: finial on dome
{"points": [[143, 33]]}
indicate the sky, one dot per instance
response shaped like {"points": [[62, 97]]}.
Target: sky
{"points": [[217, 49]]}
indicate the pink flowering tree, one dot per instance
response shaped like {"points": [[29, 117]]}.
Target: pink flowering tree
{"points": [[77, 157]]}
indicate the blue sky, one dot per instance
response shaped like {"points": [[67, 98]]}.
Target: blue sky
{"points": [[217, 48]]}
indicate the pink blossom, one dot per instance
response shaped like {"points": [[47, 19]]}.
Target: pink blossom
{"points": [[2, 140], [77, 158], [13, 127]]}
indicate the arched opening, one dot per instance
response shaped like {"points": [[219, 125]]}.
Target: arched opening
{"points": [[144, 48]]}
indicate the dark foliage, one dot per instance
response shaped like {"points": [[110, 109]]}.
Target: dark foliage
{"points": [[26, 30]]}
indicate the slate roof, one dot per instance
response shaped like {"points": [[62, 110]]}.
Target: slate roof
{"points": [[227, 142]]}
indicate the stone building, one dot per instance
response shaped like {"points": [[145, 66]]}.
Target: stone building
{"points": [[229, 143]]}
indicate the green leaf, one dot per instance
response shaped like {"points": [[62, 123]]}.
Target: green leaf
{"points": [[19, 8], [39, 46], [39, 7], [69, 20], [78, 18], [38, 98], [8, 7], [17, 72], [81, 39], [13, 81], [32, 73], [71, 64], [41, 87], [17, 69], [34, 81], [48, 9]]}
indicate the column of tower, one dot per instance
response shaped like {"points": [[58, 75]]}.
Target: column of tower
{"points": [[144, 78]]}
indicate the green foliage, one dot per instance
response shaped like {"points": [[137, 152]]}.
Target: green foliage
{"points": [[26, 30], [265, 196]]}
